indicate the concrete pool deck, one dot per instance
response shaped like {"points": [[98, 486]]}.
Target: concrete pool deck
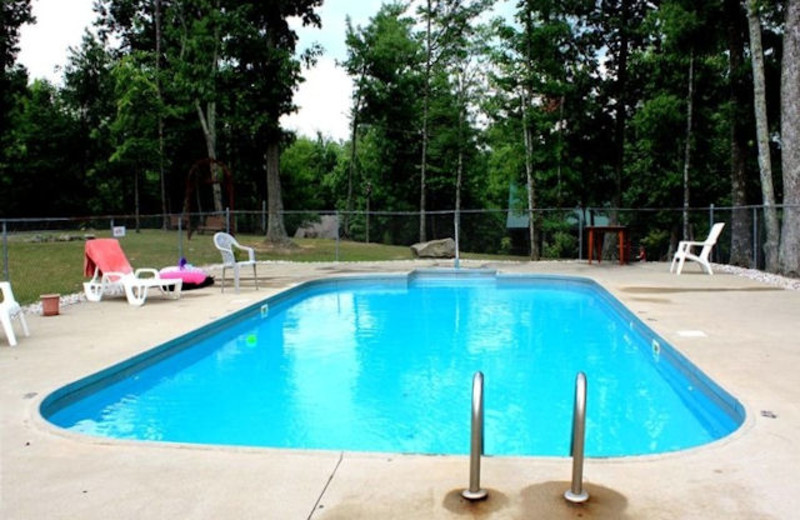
{"points": [[750, 346]]}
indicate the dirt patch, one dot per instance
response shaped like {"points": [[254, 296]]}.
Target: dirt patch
{"points": [[547, 500], [486, 508]]}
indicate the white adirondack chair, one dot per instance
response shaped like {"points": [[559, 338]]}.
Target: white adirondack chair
{"points": [[686, 250]]}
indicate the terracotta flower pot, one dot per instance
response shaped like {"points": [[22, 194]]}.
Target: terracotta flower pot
{"points": [[50, 304]]}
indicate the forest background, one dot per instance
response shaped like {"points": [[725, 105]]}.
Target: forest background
{"points": [[665, 106]]}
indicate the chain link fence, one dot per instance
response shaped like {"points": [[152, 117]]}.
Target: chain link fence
{"points": [[652, 233]]}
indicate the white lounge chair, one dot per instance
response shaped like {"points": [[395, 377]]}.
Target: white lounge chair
{"points": [[9, 308], [226, 244], [112, 274], [686, 250]]}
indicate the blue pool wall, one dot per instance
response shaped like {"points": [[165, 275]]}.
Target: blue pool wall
{"points": [[664, 353]]}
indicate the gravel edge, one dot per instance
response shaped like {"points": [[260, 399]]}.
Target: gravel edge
{"points": [[791, 284]]}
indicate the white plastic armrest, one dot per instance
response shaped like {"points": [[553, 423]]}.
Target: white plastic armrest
{"points": [[251, 254], [112, 276], [146, 270], [5, 288]]}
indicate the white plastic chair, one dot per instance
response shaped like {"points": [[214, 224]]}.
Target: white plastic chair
{"points": [[9, 308], [226, 244], [686, 248]]}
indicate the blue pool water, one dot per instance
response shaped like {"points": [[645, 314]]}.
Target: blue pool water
{"points": [[385, 364]]}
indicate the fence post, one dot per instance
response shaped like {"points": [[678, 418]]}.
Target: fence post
{"points": [[263, 217], [456, 217], [367, 220], [580, 232], [337, 235], [180, 236], [755, 237], [228, 220], [5, 253], [710, 225]]}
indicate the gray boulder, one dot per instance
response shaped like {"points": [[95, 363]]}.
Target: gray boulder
{"points": [[444, 248]]}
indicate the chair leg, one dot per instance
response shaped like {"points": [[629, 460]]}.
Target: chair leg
{"points": [[236, 278], [21, 316], [680, 264], [255, 276], [223, 278], [5, 319], [136, 294], [93, 291]]}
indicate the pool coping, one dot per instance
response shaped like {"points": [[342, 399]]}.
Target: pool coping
{"points": [[749, 350]]}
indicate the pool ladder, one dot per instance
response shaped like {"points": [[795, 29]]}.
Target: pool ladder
{"points": [[476, 442], [576, 493]]}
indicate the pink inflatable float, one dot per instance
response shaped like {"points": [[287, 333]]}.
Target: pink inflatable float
{"points": [[193, 277]]}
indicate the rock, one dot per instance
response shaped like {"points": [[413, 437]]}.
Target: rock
{"points": [[444, 248], [327, 227]]}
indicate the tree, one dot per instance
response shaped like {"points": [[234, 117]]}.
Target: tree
{"points": [[89, 94], [137, 24], [196, 62], [384, 58], [45, 134], [762, 133], [267, 72], [620, 24], [790, 141], [306, 166], [545, 67], [741, 222], [13, 79], [447, 24], [135, 127]]}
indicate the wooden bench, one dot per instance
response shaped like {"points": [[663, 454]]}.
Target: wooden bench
{"points": [[174, 220], [212, 223]]}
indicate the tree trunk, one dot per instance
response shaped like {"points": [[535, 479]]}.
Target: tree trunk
{"points": [[460, 165], [621, 116], [687, 151], [620, 123], [162, 180], [530, 185], [208, 123], [790, 141], [276, 232], [351, 170], [762, 133], [425, 107], [741, 221], [527, 131]]}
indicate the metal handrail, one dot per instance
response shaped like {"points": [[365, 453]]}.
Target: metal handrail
{"points": [[476, 442], [576, 493]]}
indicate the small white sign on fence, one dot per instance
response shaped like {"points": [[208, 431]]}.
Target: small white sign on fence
{"points": [[118, 231]]}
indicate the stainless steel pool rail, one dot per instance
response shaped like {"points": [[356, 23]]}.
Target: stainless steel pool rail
{"points": [[476, 442], [576, 493]]}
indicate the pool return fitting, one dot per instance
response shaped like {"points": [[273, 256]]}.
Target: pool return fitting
{"points": [[476, 442], [576, 494]]}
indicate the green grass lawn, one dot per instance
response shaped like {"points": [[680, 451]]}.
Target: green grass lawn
{"points": [[44, 267]]}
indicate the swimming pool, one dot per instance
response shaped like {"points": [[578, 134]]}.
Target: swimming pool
{"points": [[385, 363]]}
